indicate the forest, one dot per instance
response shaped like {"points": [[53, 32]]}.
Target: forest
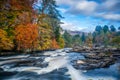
{"points": [[28, 25], [107, 36]]}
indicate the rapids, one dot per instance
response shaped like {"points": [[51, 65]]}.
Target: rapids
{"points": [[59, 68]]}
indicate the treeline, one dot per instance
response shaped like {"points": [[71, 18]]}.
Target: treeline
{"points": [[102, 36], [28, 25]]}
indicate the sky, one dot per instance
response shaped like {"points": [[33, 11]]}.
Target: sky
{"points": [[85, 15]]}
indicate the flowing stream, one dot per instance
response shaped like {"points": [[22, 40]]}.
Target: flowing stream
{"points": [[59, 68]]}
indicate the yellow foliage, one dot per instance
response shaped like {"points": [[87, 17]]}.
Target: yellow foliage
{"points": [[5, 42]]}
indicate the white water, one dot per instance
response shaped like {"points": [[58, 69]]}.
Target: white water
{"points": [[56, 62], [60, 62]]}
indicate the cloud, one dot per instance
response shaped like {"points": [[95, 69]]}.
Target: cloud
{"points": [[72, 26], [65, 2], [84, 7], [107, 9], [112, 5], [109, 16]]}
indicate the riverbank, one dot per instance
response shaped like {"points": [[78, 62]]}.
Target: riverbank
{"points": [[12, 53]]}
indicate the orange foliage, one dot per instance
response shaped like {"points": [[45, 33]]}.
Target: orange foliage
{"points": [[26, 36], [54, 44], [22, 4]]}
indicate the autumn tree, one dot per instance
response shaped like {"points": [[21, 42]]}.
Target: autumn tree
{"points": [[54, 44], [5, 42], [26, 37], [48, 13], [89, 40]]}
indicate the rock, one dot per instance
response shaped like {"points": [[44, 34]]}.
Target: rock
{"points": [[1, 70], [93, 63], [42, 65], [80, 62]]}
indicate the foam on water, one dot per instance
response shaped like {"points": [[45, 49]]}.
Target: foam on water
{"points": [[54, 63], [59, 59]]}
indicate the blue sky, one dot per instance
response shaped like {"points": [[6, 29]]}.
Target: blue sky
{"points": [[85, 15]]}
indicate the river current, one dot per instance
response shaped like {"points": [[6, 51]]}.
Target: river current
{"points": [[59, 68]]}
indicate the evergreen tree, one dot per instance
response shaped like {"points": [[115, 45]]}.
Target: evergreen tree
{"points": [[83, 37], [76, 40], [68, 39], [119, 28], [98, 28], [105, 29], [112, 28]]}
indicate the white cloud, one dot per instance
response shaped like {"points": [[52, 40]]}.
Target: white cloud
{"points": [[65, 2], [72, 26], [109, 16], [110, 3], [110, 8], [86, 7]]}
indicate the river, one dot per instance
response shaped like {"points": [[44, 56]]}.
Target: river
{"points": [[59, 68]]}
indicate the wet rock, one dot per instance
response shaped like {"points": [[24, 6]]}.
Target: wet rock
{"points": [[92, 63], [42, 65], [94, 60], [6, 74], [1, 70]]}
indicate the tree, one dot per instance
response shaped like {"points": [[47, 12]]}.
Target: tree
{"points": [[14, 13], [112, 28], [5, 42], [68, 39], [105, 28], [94, 36], [48, 8], [76, 40], [119, 28], [83, 37], [10, 10], [89, 40], [26, 37], [116, 40], [54, 44], [98, 29], [57, 33], [45, 38], [61, 42]]}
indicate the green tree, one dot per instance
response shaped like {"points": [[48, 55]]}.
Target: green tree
{"points": [[105, 29], [112, 28], [83, 38], [48, 13], [98, 28], [68, 39], [76, 40], [119, 28], [116, 41]]}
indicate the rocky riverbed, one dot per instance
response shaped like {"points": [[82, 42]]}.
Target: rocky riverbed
{"points": [[96, 57]]}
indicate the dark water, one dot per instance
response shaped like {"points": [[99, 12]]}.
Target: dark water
{"points": [[62, 71]]}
